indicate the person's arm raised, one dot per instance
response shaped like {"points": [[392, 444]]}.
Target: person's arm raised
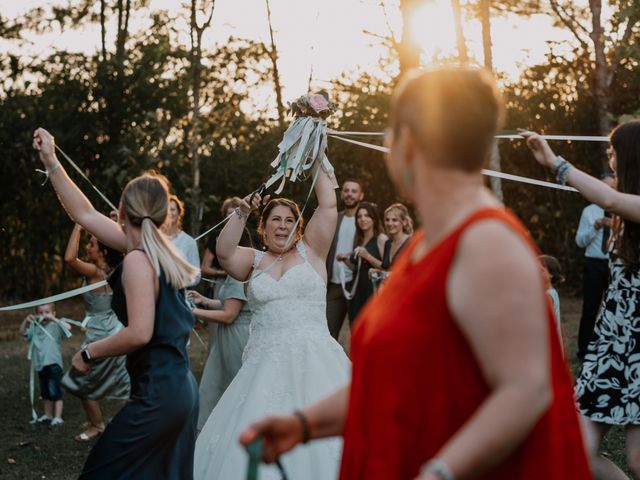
{"points": [[85, 269], [73, 200], [237, 261], [624, 204], [505, 322], [322, 226]]}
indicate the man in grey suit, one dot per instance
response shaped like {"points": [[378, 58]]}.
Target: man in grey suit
{"points": [[351, 194]]}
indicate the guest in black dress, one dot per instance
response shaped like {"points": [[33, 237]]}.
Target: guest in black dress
{"points": [[153, 436], [369, 243], [399, 227]]}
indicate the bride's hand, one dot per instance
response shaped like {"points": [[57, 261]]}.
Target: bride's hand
{"points": [[252, 202], [280, 433]]}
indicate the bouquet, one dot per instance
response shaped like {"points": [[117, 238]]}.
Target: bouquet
{"points": [[305, 141]]}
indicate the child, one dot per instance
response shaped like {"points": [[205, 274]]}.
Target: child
{"points": [[553, 272], [44, 331]]}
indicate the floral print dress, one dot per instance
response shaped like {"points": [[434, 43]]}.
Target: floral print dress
{"points": [[608, 388]]}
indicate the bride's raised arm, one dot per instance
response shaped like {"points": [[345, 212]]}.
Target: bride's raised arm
{"points": [[237, 261], [71, 197], [322, 226]]}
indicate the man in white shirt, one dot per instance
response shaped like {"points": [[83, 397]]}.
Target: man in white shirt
{"points": [[592, 235], [351, 194]]}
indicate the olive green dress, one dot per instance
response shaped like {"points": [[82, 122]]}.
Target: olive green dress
{"points": [[108, 377], [225, 357]]}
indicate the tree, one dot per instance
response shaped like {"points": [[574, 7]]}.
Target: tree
{"points": [[408, 51], [273, 55], [606, 49], [196, 31], [487, 50], [457, 20]]}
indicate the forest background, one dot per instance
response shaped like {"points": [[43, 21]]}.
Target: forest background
{"points": [[210, 116]]}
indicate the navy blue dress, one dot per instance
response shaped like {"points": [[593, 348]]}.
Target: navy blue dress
{"points": [[153, 435]]}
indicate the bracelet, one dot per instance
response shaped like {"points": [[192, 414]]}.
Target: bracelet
{"points": [[305, 425], [562, 168], [240, 214], [437, 468], [47, 173], [54, 168]]}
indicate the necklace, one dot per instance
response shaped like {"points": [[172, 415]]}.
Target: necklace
{"points": [[279, 256]]}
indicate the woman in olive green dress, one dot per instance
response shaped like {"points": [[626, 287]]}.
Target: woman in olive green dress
{"points": [[231, 312], [108, 379]]}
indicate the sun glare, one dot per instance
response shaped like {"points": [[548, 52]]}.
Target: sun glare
{"points": [[431, 27]]}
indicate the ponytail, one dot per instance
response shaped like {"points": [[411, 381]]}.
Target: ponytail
{"points": [[163, 256], [146, 200]]}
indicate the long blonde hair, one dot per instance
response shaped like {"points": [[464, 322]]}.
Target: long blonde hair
{"points": [[145, 200]]}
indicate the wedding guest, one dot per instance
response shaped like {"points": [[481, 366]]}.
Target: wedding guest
{"points": [[184, 243], [608, 388], [367, 254], [153, 435], [351, 194], [108, 379], [593, 235]]}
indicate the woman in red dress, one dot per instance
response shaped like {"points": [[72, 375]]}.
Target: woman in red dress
{"points": [[457, 367]]}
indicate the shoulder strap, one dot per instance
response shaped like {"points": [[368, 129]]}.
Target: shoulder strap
{"points": [[301, 249], [257, 258]]}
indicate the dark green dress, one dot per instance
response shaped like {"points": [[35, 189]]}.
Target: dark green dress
{"points": [[153, 436], [364, 287]]}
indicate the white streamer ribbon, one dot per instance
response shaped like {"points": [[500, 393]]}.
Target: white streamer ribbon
{"points": [[490, 173]]}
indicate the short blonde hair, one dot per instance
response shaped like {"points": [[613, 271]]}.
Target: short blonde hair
{"points": [[145, 200]]}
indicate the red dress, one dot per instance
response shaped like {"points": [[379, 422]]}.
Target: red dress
{"points": [[416, 381]]}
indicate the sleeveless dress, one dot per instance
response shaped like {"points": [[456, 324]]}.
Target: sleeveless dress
{"points": [[364, 287], [290, 361], [153, 435], [108, 377], [416, 381], [225, 357], [608, 388]]}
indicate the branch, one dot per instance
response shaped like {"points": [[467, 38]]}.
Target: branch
{"points": [[617, 57], [573, 26]]}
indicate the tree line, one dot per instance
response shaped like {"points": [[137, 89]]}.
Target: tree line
{"points": [[148, 101]]}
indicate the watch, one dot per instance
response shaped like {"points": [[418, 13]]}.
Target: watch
{"points": [[85, 354]]}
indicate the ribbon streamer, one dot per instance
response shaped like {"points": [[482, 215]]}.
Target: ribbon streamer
{"points": [[304, 144], [77, 169], [506, 134], [490, 173]]}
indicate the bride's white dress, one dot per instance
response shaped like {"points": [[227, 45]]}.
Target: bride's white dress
{"points": [[290, 361]]}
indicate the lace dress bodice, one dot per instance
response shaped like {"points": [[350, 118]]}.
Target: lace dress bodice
{"points": [[287, 311]]}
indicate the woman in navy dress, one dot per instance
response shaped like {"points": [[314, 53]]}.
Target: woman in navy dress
{"points": [[153, 436]]}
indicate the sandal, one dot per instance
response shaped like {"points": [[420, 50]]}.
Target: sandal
{"points": [[86, 437]]}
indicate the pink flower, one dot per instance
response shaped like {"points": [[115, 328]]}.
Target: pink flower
{"points": [[318, 103]]}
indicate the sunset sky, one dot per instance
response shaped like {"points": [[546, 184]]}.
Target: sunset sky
{"points": [[326, 35]]}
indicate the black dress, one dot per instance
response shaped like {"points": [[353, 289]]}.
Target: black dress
{"points": [[364, 287], [153, 436], [387, 261]]}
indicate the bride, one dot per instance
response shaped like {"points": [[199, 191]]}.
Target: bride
{"points": [[290, 359]]}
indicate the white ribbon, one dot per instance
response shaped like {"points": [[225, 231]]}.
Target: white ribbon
{"points": [[490, 173]]}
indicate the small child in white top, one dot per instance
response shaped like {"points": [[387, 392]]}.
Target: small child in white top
{"points": [[44, 331]]}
